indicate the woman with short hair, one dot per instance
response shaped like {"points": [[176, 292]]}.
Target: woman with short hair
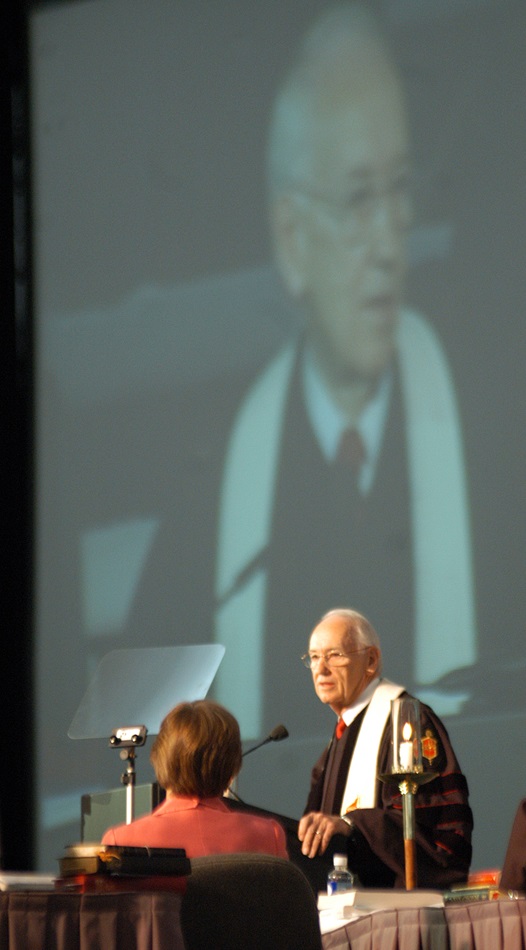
{"points": [[196, 756]]}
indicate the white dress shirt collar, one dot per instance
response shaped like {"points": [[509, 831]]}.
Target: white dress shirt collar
{"points": [[328, 420], [350, 714]]}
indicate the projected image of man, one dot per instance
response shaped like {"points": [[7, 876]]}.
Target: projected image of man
{"points": [[344, 474]]}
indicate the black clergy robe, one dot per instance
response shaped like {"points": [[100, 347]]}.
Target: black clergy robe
{"points": [[444, 820]]}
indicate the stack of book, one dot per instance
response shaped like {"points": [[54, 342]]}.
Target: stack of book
{"points": [[480, 886], [105, 868]]}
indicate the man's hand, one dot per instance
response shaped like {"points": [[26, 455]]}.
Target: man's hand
{"points": [[315, 830]]}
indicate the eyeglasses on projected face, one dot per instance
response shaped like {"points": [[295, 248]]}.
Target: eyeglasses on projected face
{"points": [[354, 211], [331, 658]]}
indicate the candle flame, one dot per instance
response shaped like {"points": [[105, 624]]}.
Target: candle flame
{"points": [[407, 731]]}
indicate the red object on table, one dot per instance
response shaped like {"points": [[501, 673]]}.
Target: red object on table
{"points": [[113, 883]]}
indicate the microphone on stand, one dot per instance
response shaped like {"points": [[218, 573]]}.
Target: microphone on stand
{"points": [[278, 733]]}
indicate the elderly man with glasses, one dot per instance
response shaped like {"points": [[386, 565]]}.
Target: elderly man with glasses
{"points": [[346, 795]]}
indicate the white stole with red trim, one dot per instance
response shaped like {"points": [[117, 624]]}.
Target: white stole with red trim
{"points": [[360, 789]]}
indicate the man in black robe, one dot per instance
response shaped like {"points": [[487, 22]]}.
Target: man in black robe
{"points": [[347, 796]]}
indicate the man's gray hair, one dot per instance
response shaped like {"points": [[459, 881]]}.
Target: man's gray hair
{"points": [[334, 38], [359, 629]]}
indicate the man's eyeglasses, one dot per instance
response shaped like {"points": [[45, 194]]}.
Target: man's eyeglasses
{"points": [[354, 212], [331, 658]]}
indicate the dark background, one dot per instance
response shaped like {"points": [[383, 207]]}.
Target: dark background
{"points": [[17, 758]]}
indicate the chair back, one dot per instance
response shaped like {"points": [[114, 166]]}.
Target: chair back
{"points": [[256, 901]]}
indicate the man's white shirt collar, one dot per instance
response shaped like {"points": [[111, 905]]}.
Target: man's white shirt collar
{"points": [[350, 714], [329, 422]]}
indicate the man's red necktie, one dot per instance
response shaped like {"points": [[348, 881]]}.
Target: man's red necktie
{"points": [[340, 728]]}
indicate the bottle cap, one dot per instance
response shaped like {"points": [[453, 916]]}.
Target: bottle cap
{"points": [[340, 860]]}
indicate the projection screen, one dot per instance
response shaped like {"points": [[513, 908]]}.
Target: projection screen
{"points": [[178, 500]]}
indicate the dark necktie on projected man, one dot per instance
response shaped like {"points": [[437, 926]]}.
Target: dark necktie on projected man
{"points": [[345, 473], [351, 451]]}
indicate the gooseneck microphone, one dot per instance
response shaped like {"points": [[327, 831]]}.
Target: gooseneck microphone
{"points": [[278, 733]]}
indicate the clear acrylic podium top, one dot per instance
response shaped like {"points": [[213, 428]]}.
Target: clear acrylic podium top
{"points": [[140, 686]]}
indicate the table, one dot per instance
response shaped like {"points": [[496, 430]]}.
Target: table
{"points": [[151, 921], [55, 921], [478, 925]]}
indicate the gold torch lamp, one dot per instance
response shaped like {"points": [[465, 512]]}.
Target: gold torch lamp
{"points": [[408, 773]]}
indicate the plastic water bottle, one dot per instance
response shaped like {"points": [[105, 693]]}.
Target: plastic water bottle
{"points": [[340, 878]]}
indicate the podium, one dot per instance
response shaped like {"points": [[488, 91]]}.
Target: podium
{"points": [[102, 810]]}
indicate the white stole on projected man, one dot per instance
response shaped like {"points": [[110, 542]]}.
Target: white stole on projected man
{"points": [[445, 636]]}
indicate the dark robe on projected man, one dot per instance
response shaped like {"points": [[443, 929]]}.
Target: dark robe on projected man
{"points": [[329, 542], [296, 536]]}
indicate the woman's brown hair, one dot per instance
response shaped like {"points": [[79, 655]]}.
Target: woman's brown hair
{"points": [[198, 749]]}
